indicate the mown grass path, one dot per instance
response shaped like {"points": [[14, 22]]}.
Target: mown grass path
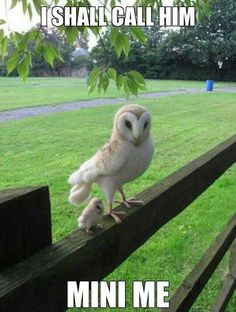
{"points": [[37, 91], [22, 113]]}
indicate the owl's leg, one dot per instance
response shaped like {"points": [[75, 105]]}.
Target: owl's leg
{"points": [[115, 215], [109, 190], [89, 231], [129, 202]]}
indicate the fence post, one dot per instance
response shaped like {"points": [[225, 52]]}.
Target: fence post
{"points": [[25, 223], [232, 259], [229, 284]]}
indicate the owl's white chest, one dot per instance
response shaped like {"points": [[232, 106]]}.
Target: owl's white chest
{"points": [[138, 160]]}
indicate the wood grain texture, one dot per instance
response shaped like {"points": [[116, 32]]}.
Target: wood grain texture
{"points": [[226, 292], [25, 223], [39, 283], [197, 279], [232, 257]]}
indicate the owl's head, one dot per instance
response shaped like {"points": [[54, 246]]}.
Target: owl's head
{"points": [[97, 205], [133, 123]]}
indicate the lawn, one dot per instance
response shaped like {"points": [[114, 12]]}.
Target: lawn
{"points": [[45, 150], [42, 91]]}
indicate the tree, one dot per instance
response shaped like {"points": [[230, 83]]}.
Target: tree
{"points": [[33, 42], [40, 67], [55, 38], [206, 51], [142, 57], [71, 59]]}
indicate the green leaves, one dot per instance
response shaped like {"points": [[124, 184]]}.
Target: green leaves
{"points": [[50, 53], [1, 35], [2, 22], [24, 65], [119, 81], [24, 6], [138, 34], [21, 58], [100, 78], [131, 82], [3, 46], [37, 5], [13, 3], [126, 45], [120, 42], [53, 50], [202, 6], [13, 62], [30, 11], [93, 76], [94, 79], [71, 34], [112, 73], [134, 82], [116, 41], [137, 77], [22, 42]]}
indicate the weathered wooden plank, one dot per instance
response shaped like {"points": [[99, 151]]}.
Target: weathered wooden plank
{"points": [[25, 224], [192, 286], [226, 292], [39, 283], [232, 258]]}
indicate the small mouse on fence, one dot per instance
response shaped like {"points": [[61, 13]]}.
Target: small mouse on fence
{"points": [[91, 215]]}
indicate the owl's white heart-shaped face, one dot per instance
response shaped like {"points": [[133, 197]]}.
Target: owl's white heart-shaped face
{"points": [[132, 128]]}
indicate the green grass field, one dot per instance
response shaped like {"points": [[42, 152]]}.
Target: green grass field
{"points": [[45, 150], [43, 91]]}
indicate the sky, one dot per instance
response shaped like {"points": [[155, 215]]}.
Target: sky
{"points": [[17, 21]]}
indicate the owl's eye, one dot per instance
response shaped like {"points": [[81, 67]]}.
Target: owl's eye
{"points": [[98, 207], [128, 124], [145, 125]]}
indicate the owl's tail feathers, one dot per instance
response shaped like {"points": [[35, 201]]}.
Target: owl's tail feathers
{"points": [[81, 222], [79, 193], [76, 178]]}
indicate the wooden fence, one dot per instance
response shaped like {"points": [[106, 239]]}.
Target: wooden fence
{"points": [[34, 272]]}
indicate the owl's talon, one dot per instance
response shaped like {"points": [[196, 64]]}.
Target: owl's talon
{"points": [[131, 202], [117, 216], [135, 202], [125, 203]]}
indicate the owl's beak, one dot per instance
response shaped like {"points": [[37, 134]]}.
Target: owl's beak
{"points": [[137, 135], [136, 140]]}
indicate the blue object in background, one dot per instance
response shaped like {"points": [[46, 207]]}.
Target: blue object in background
{"points": [[209, 85]]}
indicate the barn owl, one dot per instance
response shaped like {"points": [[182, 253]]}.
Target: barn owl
{"points": [[124, 158], [91, 215]]}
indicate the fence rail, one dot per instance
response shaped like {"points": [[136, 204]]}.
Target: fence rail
{"points": [[39, 282], [197, 279]]}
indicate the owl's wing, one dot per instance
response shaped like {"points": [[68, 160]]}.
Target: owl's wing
{"points": [[107, 161], [86, 173], [110, 158]]}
